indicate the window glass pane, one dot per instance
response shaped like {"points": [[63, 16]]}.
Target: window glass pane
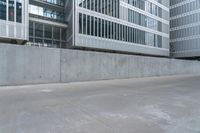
{"points": [[39, 41], [92, 26], [48, 43], [96, 26], [38, 30], [95, 5], [88, 25], [99, 27], [47, 31], [80, 3], [3, 9], [11, 10], [109, 29], [64, 34], [102, 28], [56, 33], [31, 39], [19, 10], [80, 23], [30, 28], [106, 29], [84, 3], [84, 24], [56, 44], [88, 4]]}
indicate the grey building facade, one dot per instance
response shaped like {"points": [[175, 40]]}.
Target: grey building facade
{"points": [[138, 26], [185, 28], [47, 23], [133, 26], [14, 21]]}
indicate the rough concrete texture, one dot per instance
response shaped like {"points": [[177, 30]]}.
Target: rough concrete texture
{"points": [[25, 65], [28, 65], [85, 66], [147, 105]]}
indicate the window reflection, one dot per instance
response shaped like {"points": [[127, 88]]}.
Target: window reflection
{"points": [[108, 7], [19, 11], [46, 13], [3, 9], [57, 2], [11, 10], [89, 25], [46, 35]]}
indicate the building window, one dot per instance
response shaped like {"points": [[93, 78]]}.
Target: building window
{"points": [[92, 26], [99, 27], [88, 25], [96, 26], [56, 44], [56, 33], [47, 31], [80, 23], [19, 11], [3, 9], [31, 29], [108, 7], [84, 24], [46, 35], [63, 34], [11, 10], [39, 30]]}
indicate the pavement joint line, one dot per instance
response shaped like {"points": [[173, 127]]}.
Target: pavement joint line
{"points": [[96, 81]]}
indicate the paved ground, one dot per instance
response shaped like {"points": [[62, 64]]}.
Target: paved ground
{"points": [[149, 105]]}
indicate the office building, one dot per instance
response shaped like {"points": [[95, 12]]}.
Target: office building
{"points": [[185, 28], [14, 21], [47, 24], [132, 26], [138, 26]]}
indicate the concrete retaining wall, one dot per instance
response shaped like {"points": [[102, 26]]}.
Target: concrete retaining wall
{"points": [[27, 65]]}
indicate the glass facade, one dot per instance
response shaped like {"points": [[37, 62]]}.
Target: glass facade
{"points": [[144, 20], [19, 11], [149, 7], [56, 2], [108, 7], [94, 26], [174, 2], [3, 9], [12, 7], [51, 27], [184, 8], [14, 21], [163, 2], [48, 13], [46, 35], [137, 22], [185, 28]]}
